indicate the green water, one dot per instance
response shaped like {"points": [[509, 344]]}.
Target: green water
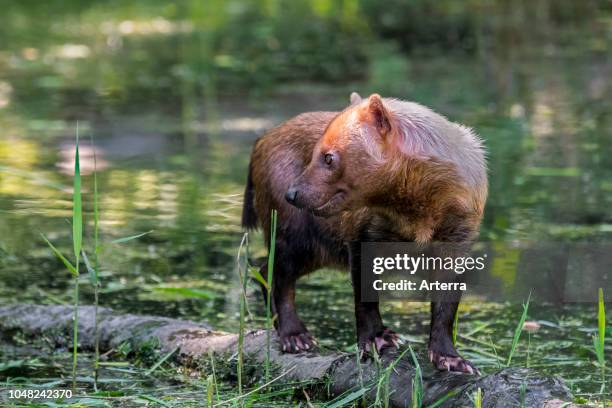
{"points": [[174, 125]]}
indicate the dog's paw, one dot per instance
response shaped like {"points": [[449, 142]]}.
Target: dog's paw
{"points": [[386, 338], [452, 363], [297, 342]]}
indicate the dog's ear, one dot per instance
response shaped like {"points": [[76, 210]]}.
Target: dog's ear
{"points": [[355, 98], [377, 115]]}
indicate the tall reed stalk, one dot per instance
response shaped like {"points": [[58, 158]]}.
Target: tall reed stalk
{"points": [[243, 304], [94, 277], [417, 381], [77, 239], [269, 316], [478, 398], [518, 330], [92, 268], [599, 339], [212, 381]]}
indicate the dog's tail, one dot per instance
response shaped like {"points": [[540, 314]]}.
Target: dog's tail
{"points": [[249, 216]]}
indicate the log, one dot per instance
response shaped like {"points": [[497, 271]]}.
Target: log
{"points": [[339, 372]]}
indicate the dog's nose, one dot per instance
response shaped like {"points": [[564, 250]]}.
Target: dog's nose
{"points": [[291, 195]]}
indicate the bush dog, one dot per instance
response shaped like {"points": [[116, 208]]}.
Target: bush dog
{"points": [[380, 170]]}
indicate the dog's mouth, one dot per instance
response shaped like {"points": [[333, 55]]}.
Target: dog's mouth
{"points": [[332, 206]]}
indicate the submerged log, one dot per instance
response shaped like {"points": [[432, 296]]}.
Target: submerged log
{"points": [[335, 372]]}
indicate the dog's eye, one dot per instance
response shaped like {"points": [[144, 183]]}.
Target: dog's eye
{"points": [[329, 158]]}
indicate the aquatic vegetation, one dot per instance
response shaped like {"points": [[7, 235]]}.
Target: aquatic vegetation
{"points": [[518, 330], [77, 238], [269, 280], [478, 398], [244, 279], [93, 269], [599, 340], [417, 382]]}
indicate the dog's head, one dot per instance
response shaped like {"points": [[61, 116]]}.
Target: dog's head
{"points": [[343, 168]]}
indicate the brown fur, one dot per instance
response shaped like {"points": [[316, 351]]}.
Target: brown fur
{"points": [[278, 158], [353, 181]]}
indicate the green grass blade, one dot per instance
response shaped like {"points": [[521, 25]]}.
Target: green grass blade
{"points": [[160, 361], [61, 257], [91, 270], [77, 206], [155, 400], [417, 381], [75, 331], [347, 399], [77, 242], [210, 389], [243, 300], [518, 330], [269, 316], [255, 273], [478, 398], [601, 324], [96, 213], [214, 373], [130, 238], [254, 391], [439, 402]]}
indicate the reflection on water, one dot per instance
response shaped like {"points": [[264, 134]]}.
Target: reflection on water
{"points": [[172, 158]]}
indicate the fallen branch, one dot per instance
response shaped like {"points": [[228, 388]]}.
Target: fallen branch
{"points": [[340, 372]]}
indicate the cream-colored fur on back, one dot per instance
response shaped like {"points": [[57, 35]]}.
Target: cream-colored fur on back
{"points": [[427, 134]]}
